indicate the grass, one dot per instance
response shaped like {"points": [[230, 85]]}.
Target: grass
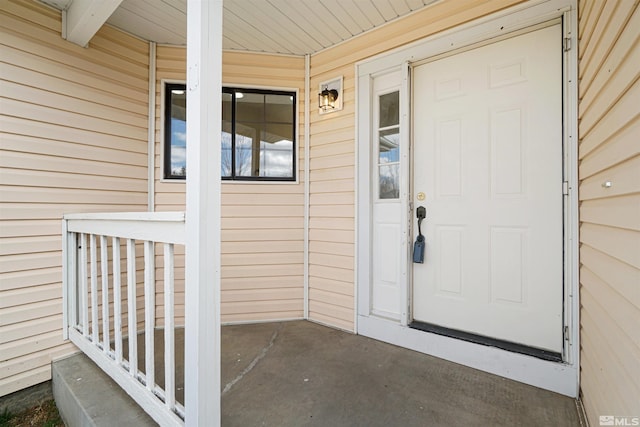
{"points": [[43, 415]]}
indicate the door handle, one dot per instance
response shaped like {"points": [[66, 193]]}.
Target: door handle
{"points": [[419, 245], [421, 213]]}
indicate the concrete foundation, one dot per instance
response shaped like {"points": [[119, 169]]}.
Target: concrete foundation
{"points": [[86, 396]]}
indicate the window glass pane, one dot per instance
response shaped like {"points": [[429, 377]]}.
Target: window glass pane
{"points": [[258, 133], [226, 158], [389, 182], [226, 106], [390, 109], [279, 108], [249, 107], [178, 151], [276, 151], [246, 144], [389, 141], [268, 117]]}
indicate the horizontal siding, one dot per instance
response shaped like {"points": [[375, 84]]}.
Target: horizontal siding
{"points": [[168, 196], [332, 211], [609, 114], [74, 130], [332, 153], [262, 224]]}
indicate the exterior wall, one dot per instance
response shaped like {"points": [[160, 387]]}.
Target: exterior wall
{"points": [[609, 130], [332, 160], [262, 223], [74, 139]]}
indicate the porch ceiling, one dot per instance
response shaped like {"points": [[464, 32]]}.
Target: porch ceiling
{"points": [[295, 27]]}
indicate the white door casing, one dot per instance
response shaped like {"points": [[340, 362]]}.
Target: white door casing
{"points": [[488, 156]]}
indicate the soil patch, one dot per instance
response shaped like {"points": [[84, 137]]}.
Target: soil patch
{"points": [[43, 415]]}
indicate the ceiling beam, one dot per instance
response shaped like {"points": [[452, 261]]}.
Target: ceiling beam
{"points": [[83, 18]]}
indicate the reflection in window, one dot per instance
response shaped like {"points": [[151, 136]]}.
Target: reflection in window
{"points": [[227, 131], [258, 134], [264, 134], [389, 182], [389, 109], [175, 160], [389, 146]]}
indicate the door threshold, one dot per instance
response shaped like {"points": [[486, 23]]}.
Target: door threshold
{"points": [[490, 342]]}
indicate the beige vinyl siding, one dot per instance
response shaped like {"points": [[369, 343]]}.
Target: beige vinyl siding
{"points": [[262, 224], [332, 160], [609, 129], [74, 130], [332, 210], [169, 195]]}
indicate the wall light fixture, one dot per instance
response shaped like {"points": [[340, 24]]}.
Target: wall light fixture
{"points": [[330, 96]]}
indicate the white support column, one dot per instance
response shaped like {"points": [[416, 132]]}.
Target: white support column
{"points": [[202, 251]]}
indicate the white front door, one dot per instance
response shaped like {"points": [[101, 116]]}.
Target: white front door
{"points": [[488, 159]]}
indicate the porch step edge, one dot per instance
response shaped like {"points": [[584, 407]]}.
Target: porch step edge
{"points": [[87, 397]]}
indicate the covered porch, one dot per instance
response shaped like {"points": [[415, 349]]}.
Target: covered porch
{"points": [[120, 282], [301, 373], [251, 298]]}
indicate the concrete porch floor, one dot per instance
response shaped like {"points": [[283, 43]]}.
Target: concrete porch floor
{"points": [[304, 374]]}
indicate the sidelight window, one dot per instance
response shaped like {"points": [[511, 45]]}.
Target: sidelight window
{"points": [[388, 137]]}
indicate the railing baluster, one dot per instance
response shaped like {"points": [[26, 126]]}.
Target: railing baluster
{"points": [[65, 280], [149, 312], [104, 265], [84, 294], [73, 267], [95, 327], [88, 297], [131, 307], [117, 300], [169, 331]]}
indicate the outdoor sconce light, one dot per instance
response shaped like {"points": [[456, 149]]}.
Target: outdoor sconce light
{"points": [[329, 97]]}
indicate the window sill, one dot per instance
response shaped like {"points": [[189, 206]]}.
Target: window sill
{"points": [[234, 182]]}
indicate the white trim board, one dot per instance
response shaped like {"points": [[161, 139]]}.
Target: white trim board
{"points": [[560, 377], [151, 131]]}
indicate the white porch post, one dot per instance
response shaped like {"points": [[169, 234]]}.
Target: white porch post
{"points": [[202, 251]]}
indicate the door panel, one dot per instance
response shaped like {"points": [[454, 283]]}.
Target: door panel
{"points": [[488, 156]]}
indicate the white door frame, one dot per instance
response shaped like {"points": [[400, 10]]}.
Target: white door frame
{"points": [[560, 377]]}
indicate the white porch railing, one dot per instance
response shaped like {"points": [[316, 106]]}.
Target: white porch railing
{"points": [[89, 305]]}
